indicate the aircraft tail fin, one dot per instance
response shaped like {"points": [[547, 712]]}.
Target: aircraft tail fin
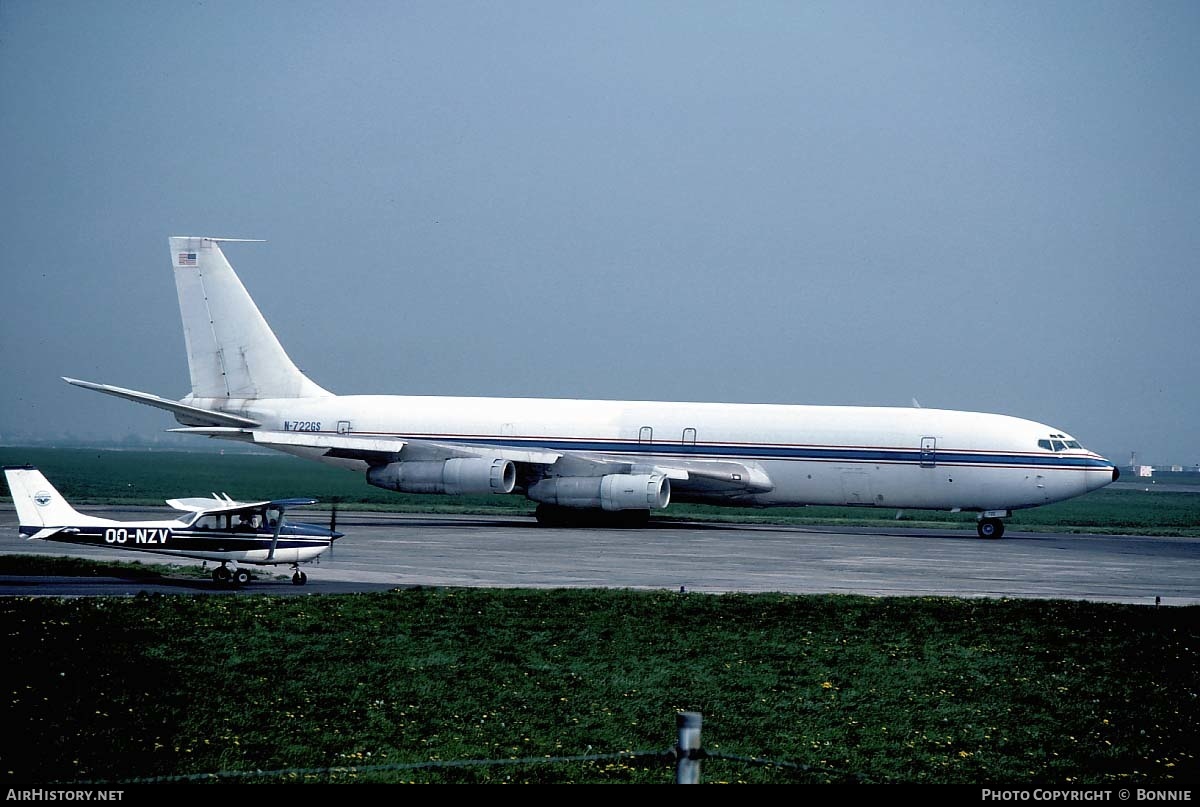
{"points": [[232, 351], [38, 503]]}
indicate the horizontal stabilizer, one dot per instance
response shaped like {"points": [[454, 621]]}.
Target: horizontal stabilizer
{"points": [[193, 415], [48, 533]]}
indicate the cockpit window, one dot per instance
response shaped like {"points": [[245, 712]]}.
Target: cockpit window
{"points": [[1058, 442]]}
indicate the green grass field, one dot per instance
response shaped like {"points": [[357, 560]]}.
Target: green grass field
{"points": [[859, 689]]}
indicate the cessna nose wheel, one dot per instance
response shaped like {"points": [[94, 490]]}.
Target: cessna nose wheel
{"points": [[299, 578]]}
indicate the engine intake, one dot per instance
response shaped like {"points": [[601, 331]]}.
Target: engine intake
{"points": [[459, 476], [611, 492]]}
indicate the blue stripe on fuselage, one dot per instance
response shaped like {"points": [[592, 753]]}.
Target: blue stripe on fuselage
{"points": [[181, 541], [781, 452]]}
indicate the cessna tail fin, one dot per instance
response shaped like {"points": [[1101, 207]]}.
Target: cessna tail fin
{"points": [[232, 351], [38, 503]]}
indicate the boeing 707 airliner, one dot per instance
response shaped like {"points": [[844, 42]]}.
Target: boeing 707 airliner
{"points": [[579, 456]]}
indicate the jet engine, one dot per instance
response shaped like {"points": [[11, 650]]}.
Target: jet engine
{"points": [[611, 492], [457, 476]]}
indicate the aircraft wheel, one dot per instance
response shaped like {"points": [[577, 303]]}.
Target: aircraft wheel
{"points": [[990, 528], [241, 577], [299, 579], [220, 575]]}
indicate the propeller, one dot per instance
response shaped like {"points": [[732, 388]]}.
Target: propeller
{"points": [[332, 525]]}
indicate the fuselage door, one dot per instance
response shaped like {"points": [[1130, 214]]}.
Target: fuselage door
{"points": [[928, 452]]}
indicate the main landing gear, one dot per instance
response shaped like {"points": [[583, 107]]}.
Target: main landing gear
{"points": [[990, 528], [224, 576]]}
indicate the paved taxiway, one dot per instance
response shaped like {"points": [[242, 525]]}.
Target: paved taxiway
{"points": [[383, 550]]}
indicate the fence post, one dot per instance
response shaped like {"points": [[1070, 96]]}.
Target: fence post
{"points": [[687, 770]]}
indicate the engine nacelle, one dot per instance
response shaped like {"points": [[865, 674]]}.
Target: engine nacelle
{"points": [[611, 492], [457, 477]]}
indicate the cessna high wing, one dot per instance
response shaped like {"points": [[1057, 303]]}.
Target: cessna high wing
{"points": [[624, 457]]}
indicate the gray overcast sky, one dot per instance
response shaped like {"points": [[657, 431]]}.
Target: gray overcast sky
{"points": [[988, 206]]}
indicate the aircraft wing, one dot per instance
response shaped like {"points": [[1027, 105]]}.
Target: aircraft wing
{"points": [[186, 414], [697, 477], [374, 450], [212, 505], [368, 449], [718, 478], [218, 505]]}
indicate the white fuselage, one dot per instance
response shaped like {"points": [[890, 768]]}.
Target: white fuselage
{"points": [[180, 538], [831, 455]]}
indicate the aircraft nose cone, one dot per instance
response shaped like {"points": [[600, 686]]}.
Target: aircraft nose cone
{"points": [[1116, 474]]}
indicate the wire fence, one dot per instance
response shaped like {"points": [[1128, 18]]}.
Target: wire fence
{"points": [[686, 756]]}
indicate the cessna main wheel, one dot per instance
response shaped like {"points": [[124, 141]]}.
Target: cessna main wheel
{"points": [[241, 577], [221, 575]]}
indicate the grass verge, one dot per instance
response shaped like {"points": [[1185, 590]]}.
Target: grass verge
{"points": [[929, 690]]}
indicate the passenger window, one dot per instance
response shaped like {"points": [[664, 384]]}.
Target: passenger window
{"points": [[1044, 444]]}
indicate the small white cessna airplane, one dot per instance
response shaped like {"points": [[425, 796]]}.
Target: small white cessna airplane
{"points": [[217, 529], [618, 456]]}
